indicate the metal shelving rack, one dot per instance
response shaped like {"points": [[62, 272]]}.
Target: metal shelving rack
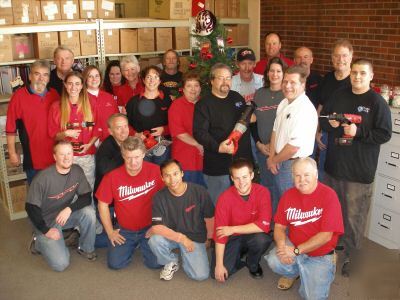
{"points": [[100, 25]]}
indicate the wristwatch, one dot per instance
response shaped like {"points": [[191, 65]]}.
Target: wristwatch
{"points": [[296, 251]]}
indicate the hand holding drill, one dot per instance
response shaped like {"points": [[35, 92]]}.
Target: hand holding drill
{"points": [[348, 122]]}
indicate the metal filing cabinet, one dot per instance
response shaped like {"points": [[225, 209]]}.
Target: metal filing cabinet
{"points": [[384, 226]]}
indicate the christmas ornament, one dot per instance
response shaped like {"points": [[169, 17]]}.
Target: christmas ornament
{"points": [[221, 44], [205, 23], [229, 40], [205, 49], [193, 66]]}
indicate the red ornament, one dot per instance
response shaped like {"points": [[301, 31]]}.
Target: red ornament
{"points": [[192, 65], [229, 40], [209, 55]]}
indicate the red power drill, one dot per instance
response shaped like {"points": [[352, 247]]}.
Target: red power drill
{"points": [[241, 126], [345, 140], [149, 140], [77, 143]]}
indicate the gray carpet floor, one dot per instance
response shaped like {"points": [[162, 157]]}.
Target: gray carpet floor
{"points": [[26, 276]]}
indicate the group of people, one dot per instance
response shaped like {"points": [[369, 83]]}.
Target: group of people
{"points": [[202, 195]]}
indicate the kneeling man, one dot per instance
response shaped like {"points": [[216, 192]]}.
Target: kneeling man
{"points": [[183, 217], [60, 198], [312, 215], [242, 223]]}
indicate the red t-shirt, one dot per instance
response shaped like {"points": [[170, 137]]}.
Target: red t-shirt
{"points": [[105, 106], [307, 215], [132, 195], [262, 64], [180, 120], [124, 92], [75, 117], [232, 209], [33, 111]]}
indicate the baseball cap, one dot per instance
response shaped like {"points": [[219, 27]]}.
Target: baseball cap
{"points": [[245, 53]]}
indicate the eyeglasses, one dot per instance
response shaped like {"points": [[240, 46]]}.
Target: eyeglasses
{"points": [[222, 78]]}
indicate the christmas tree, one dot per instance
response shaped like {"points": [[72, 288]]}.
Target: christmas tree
{"points": [[210, 47]]}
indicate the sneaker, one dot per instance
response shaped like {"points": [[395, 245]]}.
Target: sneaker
{"points": [[71, 238], [32, 246], [90, 256], [169, 270]]}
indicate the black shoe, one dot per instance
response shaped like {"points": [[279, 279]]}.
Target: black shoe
{"points": [[257, 274], [346, 269], [32, 246], [71, 238]]}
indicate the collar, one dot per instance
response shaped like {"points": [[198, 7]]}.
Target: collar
{"points": [[160, 95], [32, 92]]}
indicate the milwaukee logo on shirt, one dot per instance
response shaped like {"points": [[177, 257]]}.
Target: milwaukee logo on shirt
{"points": [[300, 217], [128, 193]]}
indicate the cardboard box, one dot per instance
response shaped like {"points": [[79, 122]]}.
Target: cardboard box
{"points": [[38, 11], [163, 39], [243, 34], [18, 191], [170, 9], [88, 42], [6, 53], [88, 9], [6, 13], [71, 40], [145, 40], [69, 9], [45, 43], [233, 8], [221, 8], [24, 11], [181, 38], [51, 10], [106, 9], [129, 40], [22, 46], [111, 41]]}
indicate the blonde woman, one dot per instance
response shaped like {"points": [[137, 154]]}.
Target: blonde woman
{"points": [[73, 119]]}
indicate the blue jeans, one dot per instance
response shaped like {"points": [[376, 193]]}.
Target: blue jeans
{"points": [[195, 264], [284, 180], [158, 160], [56, 253], [316, 273], [321, 155], [216, 185], [119, 256], [267, 180], [30, 173], [195, 177]]}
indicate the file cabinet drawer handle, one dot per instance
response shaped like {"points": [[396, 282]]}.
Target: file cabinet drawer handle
{"points": [[387, 217], [384, 226], [390, 164], [391, 187], [386, 195]]}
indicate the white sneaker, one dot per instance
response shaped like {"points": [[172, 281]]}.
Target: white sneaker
{"points": [[169, 270]]}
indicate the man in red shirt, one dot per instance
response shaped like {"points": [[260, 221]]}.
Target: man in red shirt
{"points": [[28, 112], [131, 187], [311, 214], [242, 222], [273, 47]]}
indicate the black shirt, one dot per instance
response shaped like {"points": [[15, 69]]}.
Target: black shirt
{"points": [[357, 162], [329, 85], [56, 82], [186, 213], [214, 119], [170, 84], [312, 85]]}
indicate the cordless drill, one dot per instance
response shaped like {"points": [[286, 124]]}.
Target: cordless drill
{"points": [[241, 126], [345, 140], [77, 143]]}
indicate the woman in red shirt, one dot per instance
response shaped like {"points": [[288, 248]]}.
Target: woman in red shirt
{"points": [[133, 86], [113, 78], [73, 119], [102, 102], [185, 148]]}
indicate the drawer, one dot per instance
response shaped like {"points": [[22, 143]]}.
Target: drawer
{"points": [[389, 161], [387, 193], [395, 128], [385, 223]]}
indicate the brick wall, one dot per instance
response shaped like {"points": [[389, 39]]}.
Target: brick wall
{"points": [[372, 26]]}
